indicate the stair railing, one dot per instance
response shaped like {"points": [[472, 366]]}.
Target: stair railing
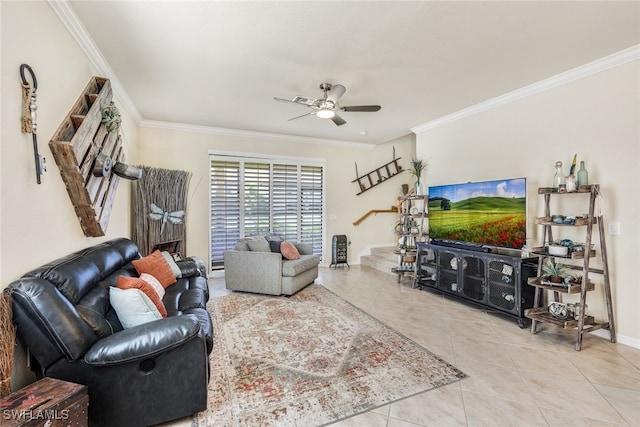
{"points": [[373, 211]]}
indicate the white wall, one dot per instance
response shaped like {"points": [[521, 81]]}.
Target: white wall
{"points": [[38, 222], [597, 117], [184, 150]]}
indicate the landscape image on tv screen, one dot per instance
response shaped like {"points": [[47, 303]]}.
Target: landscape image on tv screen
{"points": [[492, 213]]}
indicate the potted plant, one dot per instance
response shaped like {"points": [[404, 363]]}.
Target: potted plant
{"points": [[555, 272], [417, 167], [399, 228]]}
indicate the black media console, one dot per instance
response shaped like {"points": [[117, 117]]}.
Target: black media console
{"points": [[490, 277]]}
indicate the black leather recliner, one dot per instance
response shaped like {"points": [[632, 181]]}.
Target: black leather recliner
{"points": [[145, 375]]}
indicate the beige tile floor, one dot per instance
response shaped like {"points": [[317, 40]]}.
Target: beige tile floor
{"points": [[515, 378]]}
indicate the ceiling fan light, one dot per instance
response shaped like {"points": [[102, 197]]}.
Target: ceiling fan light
{"points": [[325, 113]]}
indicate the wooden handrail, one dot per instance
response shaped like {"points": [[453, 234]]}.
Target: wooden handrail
{"points": [[373, 211]]}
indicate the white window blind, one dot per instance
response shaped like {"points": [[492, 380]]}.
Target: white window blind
{"points": [[285, 207], [257, 199], [225, 207], [311, 209], [258, 196]]}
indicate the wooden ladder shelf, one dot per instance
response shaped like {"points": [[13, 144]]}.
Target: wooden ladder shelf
{"points": [[377, 176], [581, 322]]}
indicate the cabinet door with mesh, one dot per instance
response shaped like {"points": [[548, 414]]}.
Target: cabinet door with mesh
{"points": [[448, 272], [427, 266], [502, 285], [473, 286]]}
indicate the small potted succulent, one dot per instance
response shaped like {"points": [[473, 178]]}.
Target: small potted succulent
{"points": [[403, 248], [556, 273], [575, 280]]}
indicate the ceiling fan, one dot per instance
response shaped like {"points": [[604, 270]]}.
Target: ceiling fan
{"points": [[328, 106]]}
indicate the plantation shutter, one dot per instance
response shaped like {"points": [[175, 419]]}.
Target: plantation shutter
{"points": [[312, 204], [225, 208], [285, 205], [258, 196], [257, 200]]}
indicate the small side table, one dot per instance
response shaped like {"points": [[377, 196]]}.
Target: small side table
{"points": [[47, 402]]}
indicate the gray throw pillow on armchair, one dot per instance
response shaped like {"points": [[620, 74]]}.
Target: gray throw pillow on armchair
{"points": [[258, 244]]}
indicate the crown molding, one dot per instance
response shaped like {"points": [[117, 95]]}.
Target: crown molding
{"points": [[597, 66], [70, 20], [182, 127]]}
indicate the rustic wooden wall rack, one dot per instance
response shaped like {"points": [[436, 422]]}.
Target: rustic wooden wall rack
{"points": [[79, 140]]}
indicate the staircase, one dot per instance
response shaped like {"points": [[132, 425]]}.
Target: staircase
{"points": [[381, 259]]}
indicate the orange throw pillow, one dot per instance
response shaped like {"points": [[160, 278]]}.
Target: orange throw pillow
{"points": [[289, 251], [137, 283], [157, 266]]}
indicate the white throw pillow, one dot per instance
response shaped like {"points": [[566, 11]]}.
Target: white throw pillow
{"points": [[133, 307], [172, 263]]}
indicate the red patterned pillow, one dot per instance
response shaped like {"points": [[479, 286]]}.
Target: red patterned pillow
{"points": [[289, 251], [157, 266], [137, 283]]}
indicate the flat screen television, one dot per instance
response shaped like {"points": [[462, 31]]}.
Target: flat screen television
{"points": [[492, 213]]}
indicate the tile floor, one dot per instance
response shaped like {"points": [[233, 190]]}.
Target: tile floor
{"points": [[515, 378]]}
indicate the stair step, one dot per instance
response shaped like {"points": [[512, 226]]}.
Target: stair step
{"points": [[381, 259], [385, 252]]}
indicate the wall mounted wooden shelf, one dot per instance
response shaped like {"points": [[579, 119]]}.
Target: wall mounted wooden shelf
{"points": [[80, 138]]}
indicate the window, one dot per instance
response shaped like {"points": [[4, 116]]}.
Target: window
{"points": [[258, 196]]}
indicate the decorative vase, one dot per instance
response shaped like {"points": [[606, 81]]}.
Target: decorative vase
{"points": [[418, 188]]}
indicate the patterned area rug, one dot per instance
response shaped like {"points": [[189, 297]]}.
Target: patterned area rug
{"points": [[308, 360]]}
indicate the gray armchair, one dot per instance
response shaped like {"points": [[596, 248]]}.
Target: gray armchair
{"points": [[265, 272]]}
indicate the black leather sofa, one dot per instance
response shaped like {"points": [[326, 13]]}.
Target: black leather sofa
{"points": [[144, 375]]}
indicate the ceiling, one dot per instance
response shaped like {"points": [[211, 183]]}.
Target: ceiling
{"points": [[220, 63]]}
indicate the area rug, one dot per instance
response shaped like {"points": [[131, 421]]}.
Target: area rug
{"points": [[308, 360]]}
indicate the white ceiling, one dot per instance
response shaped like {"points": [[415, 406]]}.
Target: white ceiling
{"points": [[220, 63]]}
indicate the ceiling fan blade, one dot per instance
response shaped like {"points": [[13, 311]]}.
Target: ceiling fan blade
{"points": [[339, 121], [307, 102], [335, 93], [282, 99], [304, 115], [361, 108]]}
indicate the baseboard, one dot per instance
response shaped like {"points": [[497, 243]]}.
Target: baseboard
{"points": [[621, 339]]}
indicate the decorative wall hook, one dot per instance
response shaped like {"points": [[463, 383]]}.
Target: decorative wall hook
{"points": [[29, 115]]}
